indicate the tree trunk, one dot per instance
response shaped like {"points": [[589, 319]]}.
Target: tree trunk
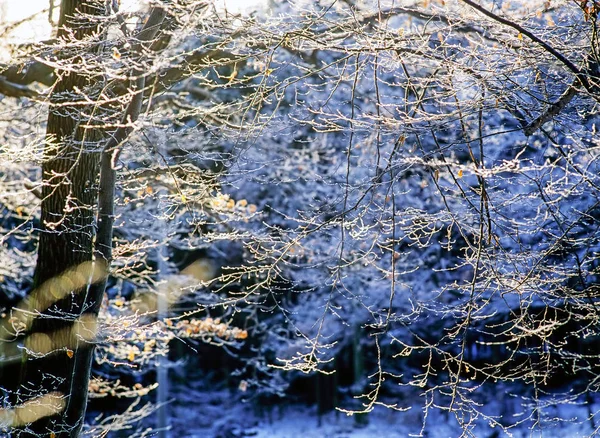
{"points": [[70, 173], [78, 161]]}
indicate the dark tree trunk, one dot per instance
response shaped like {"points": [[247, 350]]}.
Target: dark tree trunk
{"points": [[70, 173], [79, 159]]}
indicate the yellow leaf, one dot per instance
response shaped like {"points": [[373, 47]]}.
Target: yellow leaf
{"points": [[183, 198], [149, 190], [460, 173], [116, 54], [70, 353], [131, 356], [520, 36], [19, 210], [230, 204], [233, 74]]}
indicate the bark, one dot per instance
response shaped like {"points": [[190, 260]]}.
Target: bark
{"points": [[15, 90], [553, 110], [69, 193], [26, 74]]}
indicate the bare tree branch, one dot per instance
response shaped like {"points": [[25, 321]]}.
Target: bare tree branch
{"points": [[15, 90], [28, 73], [579, 74], [553, 110]]}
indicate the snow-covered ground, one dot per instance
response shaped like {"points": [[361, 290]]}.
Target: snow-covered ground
{"points": [[299, 421], [221, 414]]}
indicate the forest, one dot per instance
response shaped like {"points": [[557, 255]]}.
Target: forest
{"points": [[299, 218]]}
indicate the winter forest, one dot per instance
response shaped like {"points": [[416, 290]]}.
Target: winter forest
{"points": [[299, 218]]}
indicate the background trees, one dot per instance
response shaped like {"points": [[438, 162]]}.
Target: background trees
{"points": [[406, 195]]}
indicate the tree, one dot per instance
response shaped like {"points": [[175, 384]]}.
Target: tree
{"points": [[73, 156], [331, 152], [78, 173], [69, 177], [429, 170]]}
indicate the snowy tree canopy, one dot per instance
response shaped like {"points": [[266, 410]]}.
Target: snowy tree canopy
{"points": [[405, 194]]}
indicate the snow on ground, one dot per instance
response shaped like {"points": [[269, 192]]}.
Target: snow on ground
{"points": [[219, 414], [381, 423]]}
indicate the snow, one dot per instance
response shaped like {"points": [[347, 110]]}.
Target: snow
{"points": [[224, 417]]}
